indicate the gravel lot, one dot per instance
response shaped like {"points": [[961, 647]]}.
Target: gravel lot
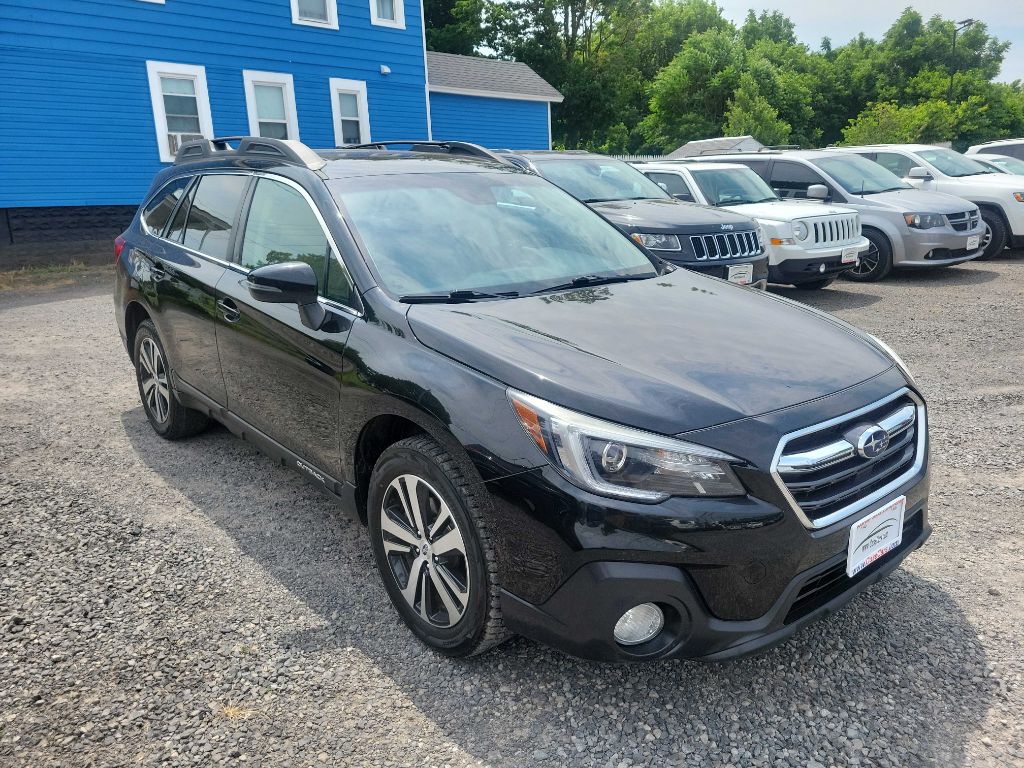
{"points": [[192, 604]]}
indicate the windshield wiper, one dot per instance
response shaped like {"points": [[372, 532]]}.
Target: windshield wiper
{"points": [[585, 281], [454, 297]]}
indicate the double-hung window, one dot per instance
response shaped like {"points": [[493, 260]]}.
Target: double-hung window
{"points": [[181, 105], [270, 102], [388, 13], [315, 13], [349, 108]]}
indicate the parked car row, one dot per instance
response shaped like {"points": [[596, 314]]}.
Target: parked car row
{"points": [[548, 428]]}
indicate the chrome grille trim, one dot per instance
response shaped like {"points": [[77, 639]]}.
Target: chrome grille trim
{"points": [[965, 220], [725, 246], [899, 421]]}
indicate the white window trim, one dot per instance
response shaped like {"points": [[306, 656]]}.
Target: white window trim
{"points": [[154, 69], [358, 87], [396, 23], [252, 78], [332, 16]]}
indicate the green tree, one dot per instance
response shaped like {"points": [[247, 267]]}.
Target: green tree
{"points": [[454, 26], [750, 113]]}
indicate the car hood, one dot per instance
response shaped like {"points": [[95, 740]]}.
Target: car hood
{"points": [[672, 216], [993, 181], [785, 210], [922, 201], [670, 354]]}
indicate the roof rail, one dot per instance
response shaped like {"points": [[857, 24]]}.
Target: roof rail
{"points": [[779, 147], [287, 151], [438, 147]]}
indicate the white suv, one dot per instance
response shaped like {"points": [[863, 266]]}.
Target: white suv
{"points": [[808, 243], [1008, 147], [999, 196]]}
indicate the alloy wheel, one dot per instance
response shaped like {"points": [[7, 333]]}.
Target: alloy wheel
{"points": [[153, 379], [425, 550], [868, 261], [986, 238]]}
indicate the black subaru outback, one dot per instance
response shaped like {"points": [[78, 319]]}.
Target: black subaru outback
{"points": [[547, 429]]}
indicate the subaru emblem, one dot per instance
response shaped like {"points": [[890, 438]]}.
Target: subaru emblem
{"points": [[872, 442]]}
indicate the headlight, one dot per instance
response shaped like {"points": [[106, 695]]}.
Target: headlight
{"points": [[800, 230], [924, 220], [657, 242], [614, 460], [895, 358]]}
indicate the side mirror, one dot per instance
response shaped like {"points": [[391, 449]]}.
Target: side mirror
{"points": [[291, 282], [917, 172], [817, 192]]}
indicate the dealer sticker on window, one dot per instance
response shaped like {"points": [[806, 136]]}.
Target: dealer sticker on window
{"points": [[875, 536]]}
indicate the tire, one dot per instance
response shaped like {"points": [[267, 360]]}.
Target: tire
{"points": [[996, 234], [815, 285], [168, 417], [875, 262], [449, 598]]}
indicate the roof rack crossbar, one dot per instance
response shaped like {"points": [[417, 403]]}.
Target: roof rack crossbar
{"points": [[419, 145], [288, 151]]}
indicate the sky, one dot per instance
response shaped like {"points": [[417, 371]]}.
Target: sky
{"points": [[842, 20]]}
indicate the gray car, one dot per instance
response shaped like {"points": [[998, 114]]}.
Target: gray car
{"points": [[906, 227]]}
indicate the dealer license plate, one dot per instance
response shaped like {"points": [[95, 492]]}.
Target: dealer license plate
{"points": [[741, 274], [875, 536], [973, 242], [849, 255]]}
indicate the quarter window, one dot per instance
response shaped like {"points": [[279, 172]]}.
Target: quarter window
{"points": [[158, 212], [212, 215], [351, 118], [181, 105], [793, 179], [388, 13], [315, 13], [270, 101]]}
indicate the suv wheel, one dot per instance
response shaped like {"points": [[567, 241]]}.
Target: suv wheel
{"points": [[875, 263], [815, 285], [994, 240], [432, 549], [167, 416]]}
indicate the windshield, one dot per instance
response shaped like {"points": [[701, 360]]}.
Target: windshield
{"points": [[858, 175], [1005, 164], [599, 179], [434, 233], [953, 163], [732, 186]]}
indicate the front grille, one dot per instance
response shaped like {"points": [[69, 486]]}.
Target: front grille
{"points": [[833, 582], [825, 474], [725, 246], [835, 230], [965, 221]]}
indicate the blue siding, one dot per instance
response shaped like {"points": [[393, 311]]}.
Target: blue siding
{"points": [[76, 121], [496, 123]]}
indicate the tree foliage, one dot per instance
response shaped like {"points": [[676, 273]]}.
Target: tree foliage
{"points": [[648, 75]]}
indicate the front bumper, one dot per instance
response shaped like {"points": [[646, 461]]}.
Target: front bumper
{"points": [[720, 269], [937, 247]]}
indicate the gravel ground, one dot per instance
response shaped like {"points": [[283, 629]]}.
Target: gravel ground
{"points": [[192, 604]]}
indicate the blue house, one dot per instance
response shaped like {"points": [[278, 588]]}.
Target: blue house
{"points": [[96, 95]]}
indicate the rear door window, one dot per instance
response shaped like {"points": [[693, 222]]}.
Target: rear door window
{"points": [[213, 213], [792, 179], [158, 212]]}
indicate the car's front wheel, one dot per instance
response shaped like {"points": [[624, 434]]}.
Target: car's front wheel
{"points": [[431, 547], [875, 263], [993, 241], [166, 414]]}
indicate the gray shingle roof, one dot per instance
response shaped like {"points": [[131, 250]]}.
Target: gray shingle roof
{"points": [[713, 146], [451, 72]]}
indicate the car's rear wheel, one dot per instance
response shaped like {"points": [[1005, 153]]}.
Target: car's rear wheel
{"points": [[815, 285], [875, 263], [993, 241], [431, 546], [168, 417]]}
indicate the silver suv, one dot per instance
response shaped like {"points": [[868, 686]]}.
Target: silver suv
{"points": [[906, 227]]}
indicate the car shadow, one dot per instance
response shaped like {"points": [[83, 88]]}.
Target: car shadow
{"points": [[904, 636], [834, 297]]}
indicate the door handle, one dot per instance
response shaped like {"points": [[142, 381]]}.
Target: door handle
{"points": [[229, 310]]}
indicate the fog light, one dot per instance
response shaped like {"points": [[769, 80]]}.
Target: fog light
{"points": [[639, 624]]}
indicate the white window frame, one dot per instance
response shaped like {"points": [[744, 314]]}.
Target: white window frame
{"points": [[396, 23], [332, 16], [154, 69], [252, 78], [357, 87]]}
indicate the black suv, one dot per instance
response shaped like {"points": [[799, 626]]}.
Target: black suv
{"points": [[547, 430], [719, 243]]}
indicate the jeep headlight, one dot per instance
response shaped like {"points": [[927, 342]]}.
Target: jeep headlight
{"points": [[657, 241], [614, 460], [924, 220], [800, 230]]}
